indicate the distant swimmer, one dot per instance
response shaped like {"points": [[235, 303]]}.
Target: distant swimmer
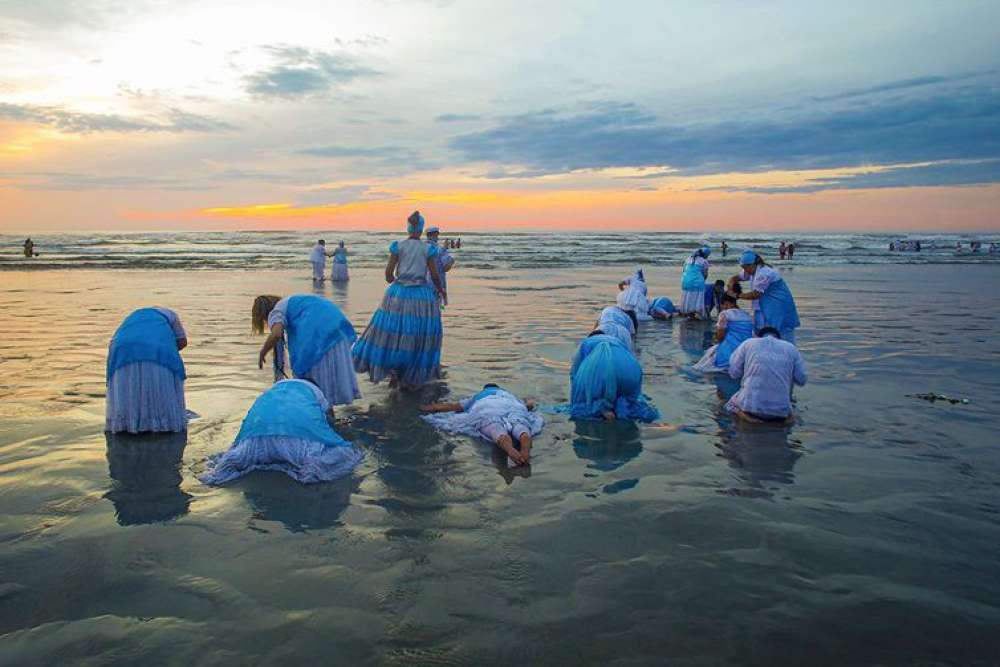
{"points": [[317, 257], [734, 327], [493, 414], [782, 250], [339, 271], [288, 429], [725, 248], [767, 368], [29, 248], [145, 374], [791, 251]]}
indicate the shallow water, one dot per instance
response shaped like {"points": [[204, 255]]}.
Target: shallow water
{"points": [[865, 533]]}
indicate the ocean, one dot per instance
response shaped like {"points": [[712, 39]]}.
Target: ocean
{"points": [[865, 532]]}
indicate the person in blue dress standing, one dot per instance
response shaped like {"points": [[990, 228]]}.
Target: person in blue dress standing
{"points": [[145, 374], [773, 303], [319, 339], [403, 339], [287, 429], [693, 284], [339, 273], [606, 382]]}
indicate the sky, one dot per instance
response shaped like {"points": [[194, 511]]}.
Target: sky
{"points": [[675, 116]]}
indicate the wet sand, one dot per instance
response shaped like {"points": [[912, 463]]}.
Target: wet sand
{"points": [[865, 532]]}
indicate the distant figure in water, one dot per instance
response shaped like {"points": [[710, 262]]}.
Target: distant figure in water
{"points": [[782, 250], [319, 339], [403, 338], [339, 271], [725, 248], [445, 262], [317, 257], [773, 304], [29, 248], [693, 284], [458, 243], [767, 368], [662, 308], [287, 429], [606, 382], [495, 415], [791, 251], [145, 374], [733, 327]]}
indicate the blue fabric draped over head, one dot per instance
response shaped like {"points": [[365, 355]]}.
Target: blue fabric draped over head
{"points": [[693, 278], [313, 326], [606, 376], [748, 257], [737, 331], [145, 335], [289, 409], [415, 223], [706, 251]]}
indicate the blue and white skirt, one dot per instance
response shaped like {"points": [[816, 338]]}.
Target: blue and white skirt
{"points": [[304, 461], [693, 302], [339, 273], [403, 338], [144, 397]]}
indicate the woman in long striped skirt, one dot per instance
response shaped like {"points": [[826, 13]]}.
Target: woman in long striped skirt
{"points": [[403, 338]]}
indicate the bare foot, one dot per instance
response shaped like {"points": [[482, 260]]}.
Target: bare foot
{"points": [[608, 415], [507, 445], [525, 446]]}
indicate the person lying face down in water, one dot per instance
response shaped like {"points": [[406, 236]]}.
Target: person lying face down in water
{"points": [[767, 367], [493, 414]]}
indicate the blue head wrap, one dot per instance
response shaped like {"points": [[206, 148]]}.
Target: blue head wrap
{"points": [[415, 223], [748, 257], [706, 251]]}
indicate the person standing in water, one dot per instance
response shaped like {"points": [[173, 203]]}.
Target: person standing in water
{"points": [[318, 259], [145, 374], [319, 339], [767, 367], [338, 273], [782, 250], [403, 338], [791, 251], [693, 284], [773, 304], [29, 247], [444, 262], [725, 247]]}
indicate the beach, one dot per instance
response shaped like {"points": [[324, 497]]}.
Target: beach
{"points": [[865, 532]]}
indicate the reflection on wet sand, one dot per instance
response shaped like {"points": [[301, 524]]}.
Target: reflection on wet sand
{"points": [[607, 445], [146, 477], [694, 337], [761, 454], [274, 496]]}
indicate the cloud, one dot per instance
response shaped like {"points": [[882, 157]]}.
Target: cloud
{"points": [[960, 125], [341, 194], [74, 122], [979, 172], [53, 180], [302, 72], [384, 161], [892, 86], [456, 117]]}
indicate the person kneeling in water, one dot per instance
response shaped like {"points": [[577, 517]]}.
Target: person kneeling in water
{"points": [[493, 414], [767, 367]]}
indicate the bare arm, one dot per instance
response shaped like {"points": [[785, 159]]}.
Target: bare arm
{"points": [[390, 268], [435, 276], [277, 331], [720, 334], [182, 343], [750, 296], [442, 407]]}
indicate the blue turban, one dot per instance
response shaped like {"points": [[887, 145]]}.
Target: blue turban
{"points": [[415, 223], [748, 257], [706, 251]]}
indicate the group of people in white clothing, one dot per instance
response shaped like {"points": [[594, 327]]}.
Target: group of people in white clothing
{"points": [[316, 353]]}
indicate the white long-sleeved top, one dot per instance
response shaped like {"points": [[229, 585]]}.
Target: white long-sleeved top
{"points": [[318, 255], [768, 366]]}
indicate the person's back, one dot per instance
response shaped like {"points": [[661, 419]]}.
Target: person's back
{"points": [[412, 267], [768, 367]]}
